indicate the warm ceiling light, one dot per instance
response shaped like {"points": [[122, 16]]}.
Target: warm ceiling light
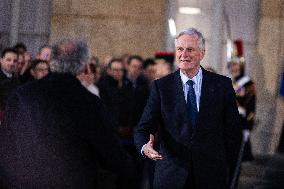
{"points": [[189, 10]]}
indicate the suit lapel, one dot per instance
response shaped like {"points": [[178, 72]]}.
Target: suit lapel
{"points": [[179, 94], [207, 90], [183, 127]]}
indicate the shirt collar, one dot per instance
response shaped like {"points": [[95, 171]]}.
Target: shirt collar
{"points": [[9, 75], [184, 77]]}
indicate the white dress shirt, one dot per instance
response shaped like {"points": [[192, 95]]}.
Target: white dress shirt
{"points": [[197, 80], [9, 75]]}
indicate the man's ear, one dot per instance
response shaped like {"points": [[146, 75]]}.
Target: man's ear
{"points": [[202, 53]]}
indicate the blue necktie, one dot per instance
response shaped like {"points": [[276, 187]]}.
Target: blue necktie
{"points": [[191, 103]]}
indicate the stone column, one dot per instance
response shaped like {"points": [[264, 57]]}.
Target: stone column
{"points": [[270, 48], [217, 52], [171, 13], [5, 22], [14, 27], [34, 23]]}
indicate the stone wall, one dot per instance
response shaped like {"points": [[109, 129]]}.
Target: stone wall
{"points": [[112, 27], [32, 26], [270, 65], [5, 17]]}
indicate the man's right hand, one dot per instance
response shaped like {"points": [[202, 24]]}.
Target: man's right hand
{"points": [[149, 151]]}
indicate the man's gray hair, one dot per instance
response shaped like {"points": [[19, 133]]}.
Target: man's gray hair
{"points": [[193, 31], [69, 56]]}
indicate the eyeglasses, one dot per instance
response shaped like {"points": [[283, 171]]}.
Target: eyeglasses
{"points": [[117, 70]]}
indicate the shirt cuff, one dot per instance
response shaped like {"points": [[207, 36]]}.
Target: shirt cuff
{"points": [[142, 151]]}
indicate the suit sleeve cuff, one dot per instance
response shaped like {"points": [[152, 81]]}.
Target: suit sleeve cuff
{"points": [[142, 151]]}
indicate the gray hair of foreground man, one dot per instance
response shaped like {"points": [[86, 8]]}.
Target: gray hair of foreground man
{"points": [[193, 31], [69, 56]]}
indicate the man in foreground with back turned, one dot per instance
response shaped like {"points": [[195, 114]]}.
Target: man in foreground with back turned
{"points": [[193, 113], [56, 134]]}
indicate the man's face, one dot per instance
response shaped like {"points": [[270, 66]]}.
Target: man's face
{"points": [[40, 71], [20, 62], [150, 72], [27, 57], [188, 53], [9, 62], [235, 69], [162, 68], [134, 68], [116, 70], [45, 54]]}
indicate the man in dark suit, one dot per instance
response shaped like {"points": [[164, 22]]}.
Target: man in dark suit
{"points": [[8, 81], [193, 113], [56, 134]]}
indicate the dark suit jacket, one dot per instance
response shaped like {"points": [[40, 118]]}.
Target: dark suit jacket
{"points": [[57, 135], [207, 150], [140, 95], [117, 100], [6, 86]]}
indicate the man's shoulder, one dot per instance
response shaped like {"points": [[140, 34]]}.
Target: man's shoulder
{"points": [[214, 77], [53, 88], [168, 78], [2, 75], [38, 87]]}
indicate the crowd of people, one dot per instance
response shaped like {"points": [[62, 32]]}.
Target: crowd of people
{"points": [[71, 120], [121, 83], [18, 67]]}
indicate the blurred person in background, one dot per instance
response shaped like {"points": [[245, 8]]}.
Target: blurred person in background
{"points": [[163, 68], [8, 79], [45, 53], [23, 67], [115, 91], [20, 63], [134, 71], [65, 134], [149, 69], [95, 60], [89, 77], [139, 85], [246, 99], [23, 60], [105, 65], [20, 48], [164, 63], [39, 68], [24, 74], [139, 95]]}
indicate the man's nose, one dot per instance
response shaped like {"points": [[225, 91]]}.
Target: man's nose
{"points": [[184, 54]]}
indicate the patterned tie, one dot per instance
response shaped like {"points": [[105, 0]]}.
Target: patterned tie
{"points": [[191, 103]]}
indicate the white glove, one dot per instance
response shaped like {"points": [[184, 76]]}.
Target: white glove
{"points": [[242, 111], [246, 134]]}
